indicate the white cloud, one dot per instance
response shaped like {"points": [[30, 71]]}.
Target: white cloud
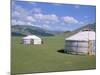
{"points": [[54, 17], [29, 23], [46, 26], [38, 16], [13, 22], [46, 18], [47, 22], [70, 20], [19, 9], [34, 15], [19, 12], [30, 18], [17, 22], [21, 22], [37, 10], [15, 14], [22, 16]]}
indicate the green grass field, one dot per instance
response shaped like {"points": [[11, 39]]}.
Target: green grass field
{"points": [[46, 58]]}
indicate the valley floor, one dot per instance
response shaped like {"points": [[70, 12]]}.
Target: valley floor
{"points": [[47, 57]]}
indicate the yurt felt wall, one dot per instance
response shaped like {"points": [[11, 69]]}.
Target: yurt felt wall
{"points": [[79, 43], [32, 39]]}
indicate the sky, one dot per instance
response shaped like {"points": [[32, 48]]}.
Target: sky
{"points": [[52, 16]]}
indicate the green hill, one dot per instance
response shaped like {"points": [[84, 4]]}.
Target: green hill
{"points": [[89, 26], [22, 30]]}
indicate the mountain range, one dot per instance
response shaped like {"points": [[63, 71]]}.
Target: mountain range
{"points": [[23, 30]]}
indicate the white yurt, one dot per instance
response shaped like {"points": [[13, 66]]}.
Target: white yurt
{"points": [[31, 39], [83, 42]]}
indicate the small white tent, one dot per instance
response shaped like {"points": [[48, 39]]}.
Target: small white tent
{"points": [[31, 39], [80, 42]]}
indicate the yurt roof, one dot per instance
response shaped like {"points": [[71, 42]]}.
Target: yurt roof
{"points": [[31, 37], [83, 36]]}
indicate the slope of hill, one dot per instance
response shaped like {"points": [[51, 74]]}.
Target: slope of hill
{"points": [[89, 26], [21, 30]]}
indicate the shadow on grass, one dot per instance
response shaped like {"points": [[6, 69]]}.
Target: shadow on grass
{"points": [[61, 51], [70, 53]]}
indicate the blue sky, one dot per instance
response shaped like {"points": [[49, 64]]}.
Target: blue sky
{"points": [[52, 16]]}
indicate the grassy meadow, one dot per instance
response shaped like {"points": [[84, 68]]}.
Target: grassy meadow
{"points": [[46, 57]]}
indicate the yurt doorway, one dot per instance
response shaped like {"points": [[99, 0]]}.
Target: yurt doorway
{"points": [[90, 47], [32, 41]]}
